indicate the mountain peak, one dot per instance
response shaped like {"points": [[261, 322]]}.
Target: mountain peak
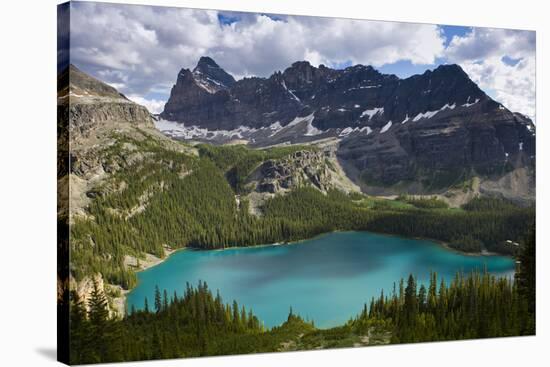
{"points": [[450, 69], [206, 61], [209, 73], [302, 63]]}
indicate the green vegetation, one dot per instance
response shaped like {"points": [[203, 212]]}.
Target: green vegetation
{"points": [[489, 204], [161, 198], [473, 306], [441, 179], [526, 278], [200, 324], [195, 324], [237, 162], [467, 243], [374, 203], [424, 203], [308, 212]]}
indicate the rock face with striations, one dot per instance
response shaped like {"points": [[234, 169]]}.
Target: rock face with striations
{"points": [[299, 169], [86, 102], [390, 130]]}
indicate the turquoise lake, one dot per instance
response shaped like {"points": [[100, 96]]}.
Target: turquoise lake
{"points": [[327, 278]]}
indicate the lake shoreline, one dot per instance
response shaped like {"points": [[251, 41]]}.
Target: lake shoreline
{"points": [[376, 259], [438, 242], [152, 261], [120, 303]]}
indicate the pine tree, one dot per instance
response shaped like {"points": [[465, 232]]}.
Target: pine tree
{"points": [[236, 321], [526, 278], [146, 305], [99, 322], [411, 301], [158, 300], [165, 300], [97, 305], [79, 330], [422, 299]]}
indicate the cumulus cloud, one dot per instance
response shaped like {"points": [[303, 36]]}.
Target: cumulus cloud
{"points": [[152, 105], [140, 49], [500, 61]]}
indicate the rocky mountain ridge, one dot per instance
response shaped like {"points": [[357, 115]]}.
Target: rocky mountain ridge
{"points": [[87, 103], [391, 132]]}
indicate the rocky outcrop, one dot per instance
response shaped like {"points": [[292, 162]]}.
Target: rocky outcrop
{"points": [[113, 293], [87, 103], [105, 132], [85, 116], [314, 168], [297, 170]]}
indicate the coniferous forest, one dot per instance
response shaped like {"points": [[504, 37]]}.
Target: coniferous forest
{"points": [[341, 187], [190, 202], [199, 323], [177, 200]]}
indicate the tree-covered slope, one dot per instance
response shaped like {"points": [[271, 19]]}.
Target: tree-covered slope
{"points": [[169, 199], [134, 193]]}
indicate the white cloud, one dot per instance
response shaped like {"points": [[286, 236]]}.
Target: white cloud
{"points": [[144, 47], [140, 49], [153, 105], [481, 53]]}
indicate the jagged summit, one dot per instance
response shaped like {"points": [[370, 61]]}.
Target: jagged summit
{"points": [[451, 68], [340, 98], [388, 129], [206, 61], [211, 74]]}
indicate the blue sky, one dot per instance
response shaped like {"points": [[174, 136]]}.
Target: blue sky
{"points": [[140, 49]]}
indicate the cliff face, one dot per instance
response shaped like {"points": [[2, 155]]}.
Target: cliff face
{"points": [[100, 132], [483, 138], [87, 103], [357, 96], [390, 130], [89, 111], [297, 170], [84, 116]]}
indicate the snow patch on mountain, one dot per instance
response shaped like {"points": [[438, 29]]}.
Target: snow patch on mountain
{"points": [[349, 130], [297, 120], [367, 129], [346, 131], [468, 104], [205, 85], [430, 114], [372, 112], [275, 126], [290, 92], [310, 129], [179, 130], [386, 127]]}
